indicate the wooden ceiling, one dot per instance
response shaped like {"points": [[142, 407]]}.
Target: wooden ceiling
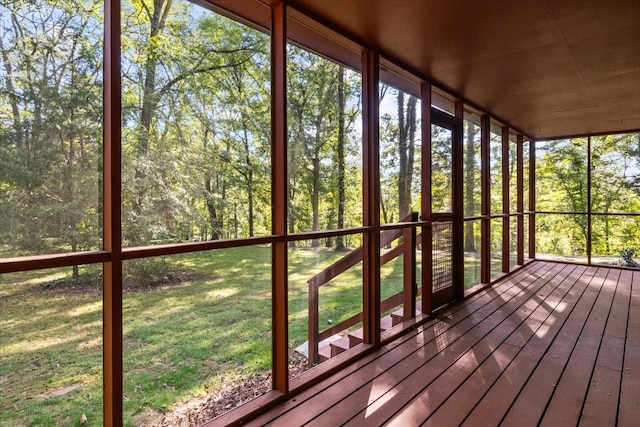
{"points": [[548, 68]]}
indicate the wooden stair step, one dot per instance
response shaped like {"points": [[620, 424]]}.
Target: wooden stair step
{"points": [[339, 346], [386, 323], [397, 317], [356, 337], [325, 353]]}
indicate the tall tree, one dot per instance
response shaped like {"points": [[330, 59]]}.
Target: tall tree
{"points": [[407, 123], [470, 183], [340, 154], [313, 106], [50, 136], [155, 70]]}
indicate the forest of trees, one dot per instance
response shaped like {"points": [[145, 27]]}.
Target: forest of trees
{"points": [[561, 186], [196, 130], [196, 139]]}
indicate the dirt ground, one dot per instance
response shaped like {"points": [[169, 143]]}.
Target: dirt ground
{"points": [[199, 411]]}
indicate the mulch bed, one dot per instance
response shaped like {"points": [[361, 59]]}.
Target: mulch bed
{"points": [[201, 410]]}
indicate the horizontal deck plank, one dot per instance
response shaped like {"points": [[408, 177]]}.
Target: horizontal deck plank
{"points": [[435, 394], [629, 406], [349, 381], [601, 405], [540, 321], [572, 387], [495, 404], [553, 344], [533, 398], [439, 355]]}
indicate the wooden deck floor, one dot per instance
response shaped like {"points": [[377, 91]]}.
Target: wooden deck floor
{"points": [[553, 345]]}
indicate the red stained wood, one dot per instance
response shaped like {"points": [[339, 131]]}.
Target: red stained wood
{"points": [[280, 365], [315, 401], [555, 343], [601, 405], [629, 407], [572, 386], [537, 319], [535, 394], [347, 390]]}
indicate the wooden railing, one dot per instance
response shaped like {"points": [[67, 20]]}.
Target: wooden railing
{"points": [[407, 297]]}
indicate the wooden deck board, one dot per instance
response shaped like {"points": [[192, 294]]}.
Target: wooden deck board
{"points": [[344, 387], [458, 405], [601, 405], [382, 402], [629, 406], [570, 391], [493, 406], [532, 399], [433, 396], [554, 344]]}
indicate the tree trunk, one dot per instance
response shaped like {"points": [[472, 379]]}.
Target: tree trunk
{"points": [[411, 144], [150, 98], [15, 108], [402, 157], [469, 181], [211, 209], [214, 218], [407, 124], [315, 196], [340, 246], [248, 175]]}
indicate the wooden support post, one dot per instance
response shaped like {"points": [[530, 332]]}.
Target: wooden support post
{"points": [[457, 204], [427, 238], [532, 199], [409, 266], [314, 324], [485, 201], [280, 351], [506, 224], [371, 205], [112, 228], [520, 201], [589, 216]]}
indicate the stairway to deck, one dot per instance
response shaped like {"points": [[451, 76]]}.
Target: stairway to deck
{"points": [[351, 339]]}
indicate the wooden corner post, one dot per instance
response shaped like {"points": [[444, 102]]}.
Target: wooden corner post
{"points": [[371, 197], [280, 312], [112, 220], [425, 217]]}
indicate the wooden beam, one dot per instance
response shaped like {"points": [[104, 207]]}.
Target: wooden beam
{"points": [[520, 196], [279, 262], [589, 209], [112, 220], [457, 204], [409, 270], [532, 199], [427, 239], [485, 201], [371, 202], [506, 229]]}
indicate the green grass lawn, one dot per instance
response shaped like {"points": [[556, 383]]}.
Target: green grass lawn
{"points": [[209, 328]]}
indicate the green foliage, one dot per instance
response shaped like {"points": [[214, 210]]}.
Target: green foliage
{"points": [[196, 129], [150, 272], [209, 330], [626, 258], [314, 110], [50, 126], [400, 154], [561, 186]]}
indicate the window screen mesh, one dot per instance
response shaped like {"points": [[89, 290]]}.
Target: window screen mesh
{"points": [[442, 260]]}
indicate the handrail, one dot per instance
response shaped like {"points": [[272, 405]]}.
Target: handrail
{"points": [[350, 260], [387, 304]]}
